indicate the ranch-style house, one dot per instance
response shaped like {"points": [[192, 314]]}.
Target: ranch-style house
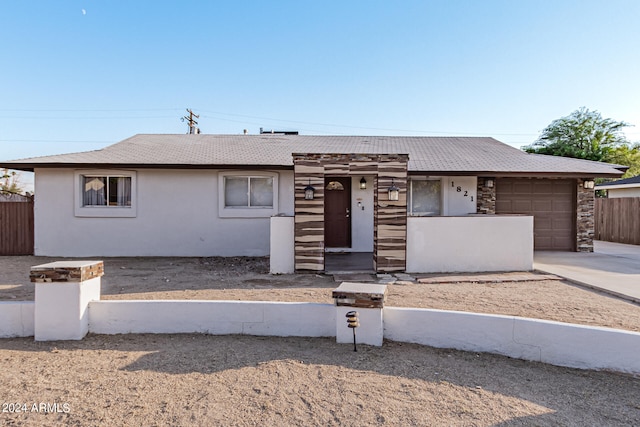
{"points": [[414, 204]]}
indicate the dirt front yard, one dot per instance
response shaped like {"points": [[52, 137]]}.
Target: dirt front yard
{"points": [[237, 278], [200, 380], [191, 379]]}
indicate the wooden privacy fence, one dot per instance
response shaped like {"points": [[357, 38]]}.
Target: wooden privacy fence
{"points": [[618, 220], [16, 228]]}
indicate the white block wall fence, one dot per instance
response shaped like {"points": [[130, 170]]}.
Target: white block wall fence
{"points": [[213, 317], [471, 243], [16, 319], [281, 249], [550, 342], [556, 343]]}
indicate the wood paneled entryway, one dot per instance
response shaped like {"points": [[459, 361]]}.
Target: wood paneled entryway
{"points": [[551, 202], [321, 222]]}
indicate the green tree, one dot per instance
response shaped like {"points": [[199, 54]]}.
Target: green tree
{"points": [[10, 182], [583, 134], [628, 156]]}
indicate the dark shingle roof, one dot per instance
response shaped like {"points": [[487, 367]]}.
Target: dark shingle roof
{"points": [[627, 181], [426, 154]]}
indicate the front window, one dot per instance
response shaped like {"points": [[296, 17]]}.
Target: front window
{"points": [[248, 192], [106, 191], [425, 197]]}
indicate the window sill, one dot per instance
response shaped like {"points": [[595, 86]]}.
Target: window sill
{"points": [[105, 212], [238, 212]]}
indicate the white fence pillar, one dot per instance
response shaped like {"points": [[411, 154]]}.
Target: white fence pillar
{"points": [[367, 299], [63, 292], [281, 249]]}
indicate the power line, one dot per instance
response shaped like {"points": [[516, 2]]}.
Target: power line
{"points": [[336, 125], [307, 126], [66, 141], [84, 117], [38, 113], [223, 116], [217, 114], [63, 110]]}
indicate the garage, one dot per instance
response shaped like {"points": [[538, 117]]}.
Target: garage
{"points": [[551, 202]]}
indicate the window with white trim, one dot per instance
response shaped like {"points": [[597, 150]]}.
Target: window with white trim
{"points": [[105, 193], [425, 197], [247, 194]]}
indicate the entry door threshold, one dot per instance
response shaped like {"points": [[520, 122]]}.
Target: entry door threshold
{"points": [[347, 272], [368, 277], [349, 263]]}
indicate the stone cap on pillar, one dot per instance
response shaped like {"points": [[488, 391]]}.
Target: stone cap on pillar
{"points": [[66, 271], [364, 295]]}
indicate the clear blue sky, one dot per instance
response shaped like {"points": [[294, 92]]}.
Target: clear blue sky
{"points": [[82, 74]]}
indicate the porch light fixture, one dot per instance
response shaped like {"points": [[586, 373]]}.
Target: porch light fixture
{"points": [[363, 183], [394, 192], [589, 184], [489, 183], [308, 191]]}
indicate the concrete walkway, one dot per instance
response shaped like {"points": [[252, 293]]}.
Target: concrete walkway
{"points": [[612, 268]]}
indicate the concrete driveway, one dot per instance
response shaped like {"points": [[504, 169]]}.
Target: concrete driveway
{"points": [[612, 267]]}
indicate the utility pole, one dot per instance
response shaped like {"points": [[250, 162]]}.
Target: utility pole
{"points": [[192, 122]]}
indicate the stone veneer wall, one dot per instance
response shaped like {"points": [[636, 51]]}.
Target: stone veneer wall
{"points": [[585, 220], [390, 218], [486, 197]]}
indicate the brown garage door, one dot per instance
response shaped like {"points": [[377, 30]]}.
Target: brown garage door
{"points": [[550, 201]]}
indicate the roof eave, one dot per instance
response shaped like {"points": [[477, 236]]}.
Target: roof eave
{"points": [[617, 187], [30, 167], [522, 174]]}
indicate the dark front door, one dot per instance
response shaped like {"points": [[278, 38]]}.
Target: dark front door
{"points": [[337, 212]]}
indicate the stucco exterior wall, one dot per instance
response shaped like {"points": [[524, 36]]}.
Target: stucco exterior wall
{"points": [[470, 243], [362, 219], [177, 214], [615, 193], [459, 195]]}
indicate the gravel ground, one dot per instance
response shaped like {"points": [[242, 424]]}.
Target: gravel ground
{"points": [[236, 278], [190, 379]]}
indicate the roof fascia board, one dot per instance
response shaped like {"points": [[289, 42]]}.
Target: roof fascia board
{"points": [[31, 166], [497, 174], [617, 186]]}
